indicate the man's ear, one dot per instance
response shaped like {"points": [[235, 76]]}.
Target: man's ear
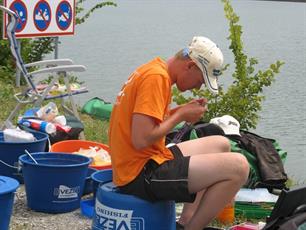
{"points": [[190, 64]]}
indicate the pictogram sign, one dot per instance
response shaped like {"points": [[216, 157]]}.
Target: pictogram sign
{"points": [[42, 18], [21, 10], [42, 15], [63, 15]]}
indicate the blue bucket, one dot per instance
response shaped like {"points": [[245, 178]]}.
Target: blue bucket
{"points": [[101, 177], [88, 187], [11, 151], [87, 207], [8, 187], [97, 179], [120, 211], [55, 184]]}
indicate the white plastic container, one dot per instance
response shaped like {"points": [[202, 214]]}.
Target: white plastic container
{"points": [[17, 135], [48, 112], [61, 120], [43, 126]]}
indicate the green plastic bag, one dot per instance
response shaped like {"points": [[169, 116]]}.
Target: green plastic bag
{"points": [[253, 210], [99, 108]]}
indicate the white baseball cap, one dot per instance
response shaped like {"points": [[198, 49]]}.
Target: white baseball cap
{"points": [[228, 123], [209, 58]]}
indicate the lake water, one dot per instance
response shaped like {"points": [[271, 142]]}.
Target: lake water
{"points": [[115, 40]]}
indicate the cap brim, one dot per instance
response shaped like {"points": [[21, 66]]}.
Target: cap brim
{"points": [[229, 131], [210, 81]]}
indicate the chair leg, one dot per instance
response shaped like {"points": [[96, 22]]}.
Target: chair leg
{"points": [[8, 122], [72, 102]]}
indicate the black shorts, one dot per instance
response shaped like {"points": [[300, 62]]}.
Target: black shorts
{"points": [[168, 181]]}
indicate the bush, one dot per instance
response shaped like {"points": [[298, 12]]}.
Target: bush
{"points": [[244, 97]]}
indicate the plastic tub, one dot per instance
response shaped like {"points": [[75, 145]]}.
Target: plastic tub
{"points": [[11, 151], [101, 177], [123, 211], [87, 207], [55, 184], [8, 187], [71, 146], [88, 187]]}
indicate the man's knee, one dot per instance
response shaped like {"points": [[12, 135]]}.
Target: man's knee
{"points": [[224, 144], [242, 167]]}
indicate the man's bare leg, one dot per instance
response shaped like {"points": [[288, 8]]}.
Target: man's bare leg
{"points": [[220, 174], [211, 144]]}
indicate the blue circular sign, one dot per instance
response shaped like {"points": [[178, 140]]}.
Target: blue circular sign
{"points": [[64, 15], [42, 15], [20, 9]]}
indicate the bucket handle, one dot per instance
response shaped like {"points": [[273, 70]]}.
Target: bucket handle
{"points": [[29, 154], [8, 165], [18, 167], [49, 145]]}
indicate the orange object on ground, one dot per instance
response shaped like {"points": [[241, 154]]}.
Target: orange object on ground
{"points": [[227, 215], [71, 146]]}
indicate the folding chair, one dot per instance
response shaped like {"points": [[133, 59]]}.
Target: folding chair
{"points": [[57, 67]]}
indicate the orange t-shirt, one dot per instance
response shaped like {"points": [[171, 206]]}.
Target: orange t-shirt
{"points": [[147, 91]]}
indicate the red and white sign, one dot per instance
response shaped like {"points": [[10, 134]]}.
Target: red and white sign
{"points": [[42, 18]]}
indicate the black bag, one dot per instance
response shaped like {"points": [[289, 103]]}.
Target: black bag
{"points": [[76, 128], [297, 221], [199, 129], [289, 212]]}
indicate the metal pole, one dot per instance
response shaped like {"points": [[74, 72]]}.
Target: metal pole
{"points": [[56, 40], [18, 72]]}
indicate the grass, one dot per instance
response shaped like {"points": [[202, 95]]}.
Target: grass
{"points": [[6, 100], [95, 129]]}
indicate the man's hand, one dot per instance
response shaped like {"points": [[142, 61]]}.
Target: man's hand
{"points": [[147, 130], [201, 101], [193, 111]]}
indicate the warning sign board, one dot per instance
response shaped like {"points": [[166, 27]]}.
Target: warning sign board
{"points": [[42, 18]]}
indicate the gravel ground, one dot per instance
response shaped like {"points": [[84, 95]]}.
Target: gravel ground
{"points": [[25, 219]]}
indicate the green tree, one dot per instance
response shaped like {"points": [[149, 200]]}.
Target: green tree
{"points": [[244, 96]]}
